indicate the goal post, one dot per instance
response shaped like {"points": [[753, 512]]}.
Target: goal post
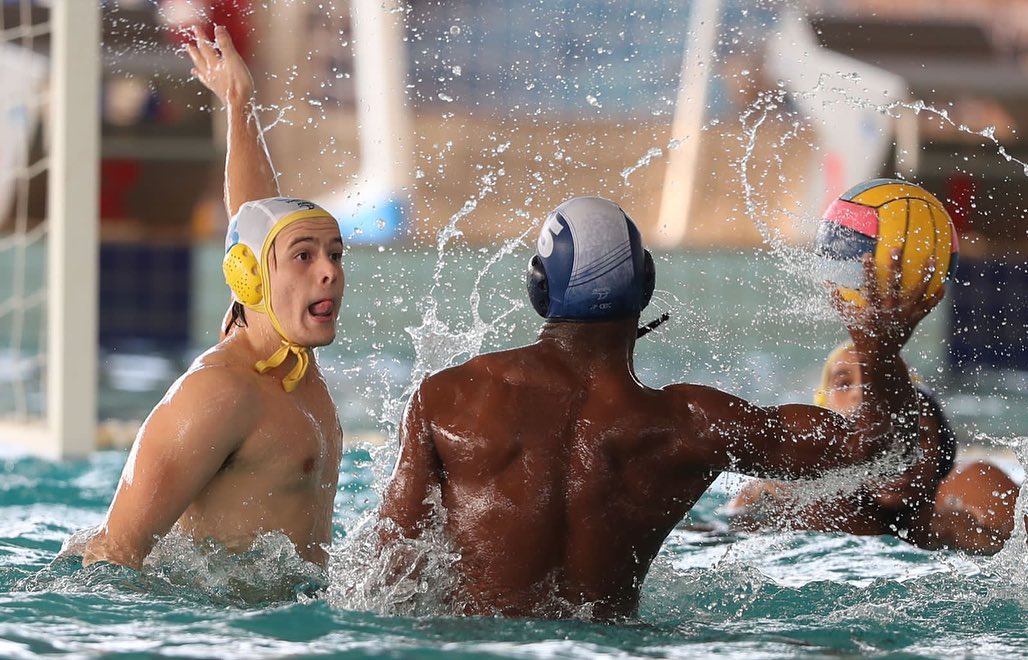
{"points": [[66, 425]]}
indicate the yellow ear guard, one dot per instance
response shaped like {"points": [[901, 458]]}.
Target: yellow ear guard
{"points": [[252, 231], [242, 273]]}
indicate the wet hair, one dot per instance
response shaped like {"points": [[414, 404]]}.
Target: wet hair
{"points": [[947, 438], [238, 319]]}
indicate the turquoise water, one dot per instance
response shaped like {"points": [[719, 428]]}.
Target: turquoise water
{"points": [[739, 321], [709, 594]]}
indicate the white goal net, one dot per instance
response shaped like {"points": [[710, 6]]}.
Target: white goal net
{"points": [[49, 137]]}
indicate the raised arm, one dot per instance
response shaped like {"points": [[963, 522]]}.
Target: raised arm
{"points": [[798, 440], [181, 446], [249, 174]]}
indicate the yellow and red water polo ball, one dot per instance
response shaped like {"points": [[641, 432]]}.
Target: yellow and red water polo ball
{"points": [[878, 216]]}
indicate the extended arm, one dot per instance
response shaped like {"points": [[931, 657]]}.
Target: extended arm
{"points": [[798, 440], [249, 174], [179, 449], [782, 442]]}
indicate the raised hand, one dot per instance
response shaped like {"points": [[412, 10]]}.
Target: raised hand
{"points": [[249, 174], [885, 323], [220, 67]]}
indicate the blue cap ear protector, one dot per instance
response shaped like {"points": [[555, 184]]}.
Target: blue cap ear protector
{"points": [[590, 264], [248, 242]]}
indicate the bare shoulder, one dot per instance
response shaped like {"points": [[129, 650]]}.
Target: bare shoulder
{"points": [[703, 397], [476, 373], [215, 383], [444, 386], [213, 405]]}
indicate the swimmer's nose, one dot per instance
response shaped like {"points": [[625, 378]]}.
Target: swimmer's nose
{"points": [[330, 271]]}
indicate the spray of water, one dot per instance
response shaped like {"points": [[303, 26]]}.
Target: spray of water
{"points": [[269, 571], [402, 577], [364, 576]]}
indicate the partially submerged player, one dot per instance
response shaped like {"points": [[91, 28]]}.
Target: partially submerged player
{"points": [[247, 441], [900, 505], [930, 504], [560, 474]]}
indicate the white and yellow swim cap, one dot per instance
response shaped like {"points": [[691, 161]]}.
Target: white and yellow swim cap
{"points": [[251, 233]]}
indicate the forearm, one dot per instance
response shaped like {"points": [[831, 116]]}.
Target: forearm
{"points": [[888, 416], [249, 174]]}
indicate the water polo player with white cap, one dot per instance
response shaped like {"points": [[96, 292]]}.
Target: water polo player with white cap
{"points": [[248, 272], [556, 474], [245, 444]]}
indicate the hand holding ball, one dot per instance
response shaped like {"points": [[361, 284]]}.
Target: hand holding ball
{"points": [[881, 217]]}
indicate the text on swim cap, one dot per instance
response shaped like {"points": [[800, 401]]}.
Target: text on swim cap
{"points": [[551, 228], [302, 203]]}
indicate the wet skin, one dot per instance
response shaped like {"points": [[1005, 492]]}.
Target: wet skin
{"points": [[974, 509], [899, 506], [560, 474], [971, 509], [228, 454]]}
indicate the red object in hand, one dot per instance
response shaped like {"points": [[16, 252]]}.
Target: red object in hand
{"points": [[180, 16]]}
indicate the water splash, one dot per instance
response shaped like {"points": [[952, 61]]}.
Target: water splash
{"points": [[404, 577], [269, 571], [1010, 565]]}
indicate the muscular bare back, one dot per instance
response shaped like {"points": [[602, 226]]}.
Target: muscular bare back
{"points": [[558, 481], [561, 475]]}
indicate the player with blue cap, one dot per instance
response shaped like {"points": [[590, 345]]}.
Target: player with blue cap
{"points": [[556, 474], [590, 265]]}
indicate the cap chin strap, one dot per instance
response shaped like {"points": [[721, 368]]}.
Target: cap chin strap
{"points": [[295, 375], [303, 360]]}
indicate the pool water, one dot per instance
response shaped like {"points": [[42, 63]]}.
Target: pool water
{"points": [[738, 323], [713, 592]]}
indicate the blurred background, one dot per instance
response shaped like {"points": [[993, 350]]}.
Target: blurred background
{"points": [[442, 132]]}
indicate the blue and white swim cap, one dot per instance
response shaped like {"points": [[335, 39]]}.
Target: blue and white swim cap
{"points": [[590, 263]]}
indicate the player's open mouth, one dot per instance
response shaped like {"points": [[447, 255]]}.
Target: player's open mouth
{"points": [[322, 310]]}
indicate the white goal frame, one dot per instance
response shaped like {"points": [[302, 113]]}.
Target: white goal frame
{"points": [[68, 428]]}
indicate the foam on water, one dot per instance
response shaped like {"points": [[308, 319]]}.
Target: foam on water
{"points": [[709, 592], [270, 571], [405, 577]]}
